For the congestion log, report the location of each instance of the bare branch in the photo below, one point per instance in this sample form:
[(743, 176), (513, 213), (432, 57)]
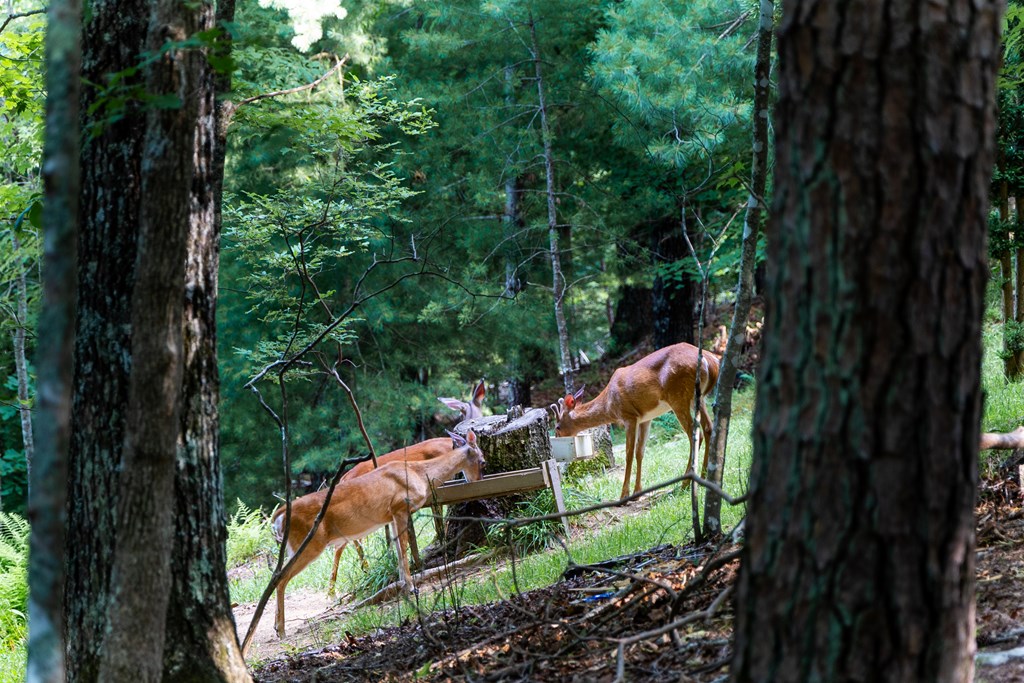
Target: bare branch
[(299, 88), (20, 15)]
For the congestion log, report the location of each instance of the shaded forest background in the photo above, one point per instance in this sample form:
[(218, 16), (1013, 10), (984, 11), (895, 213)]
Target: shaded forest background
[(416, 169)]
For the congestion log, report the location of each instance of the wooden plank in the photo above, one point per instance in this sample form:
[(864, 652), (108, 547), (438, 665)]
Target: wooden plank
[(555, 478), (491, 486)]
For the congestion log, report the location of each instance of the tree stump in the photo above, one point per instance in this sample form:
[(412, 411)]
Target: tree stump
[(516, 441), (604, 456)]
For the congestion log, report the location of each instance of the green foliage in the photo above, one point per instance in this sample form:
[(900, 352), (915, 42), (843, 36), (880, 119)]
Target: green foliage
[(1013, 339), (249, 535), (21, 129), (682, 67), (13, 479), (13, 580), (383, 567)]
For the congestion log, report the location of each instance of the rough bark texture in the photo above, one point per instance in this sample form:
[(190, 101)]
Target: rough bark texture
[(748, 257), (106, 271), (516, 441), (859, 555), (141, 574), (201, 641), (54, 362), (632, 319)]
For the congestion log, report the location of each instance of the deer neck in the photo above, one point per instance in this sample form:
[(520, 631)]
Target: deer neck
[(593, 414), (443, 468)]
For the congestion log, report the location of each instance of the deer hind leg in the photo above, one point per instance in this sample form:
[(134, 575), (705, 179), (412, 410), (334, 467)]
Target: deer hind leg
[(311, 552), (686, 421), (337, 558), (630, 449), (638, 454)]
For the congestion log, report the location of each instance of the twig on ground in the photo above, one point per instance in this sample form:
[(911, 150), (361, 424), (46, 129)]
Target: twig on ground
[(623, 643)]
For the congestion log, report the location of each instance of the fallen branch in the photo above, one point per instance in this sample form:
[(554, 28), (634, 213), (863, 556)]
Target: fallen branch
[(390, 590), (998, 658)]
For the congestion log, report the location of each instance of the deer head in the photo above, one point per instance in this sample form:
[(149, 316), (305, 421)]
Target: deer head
[(562, 412), (471, 410), (474, 468)]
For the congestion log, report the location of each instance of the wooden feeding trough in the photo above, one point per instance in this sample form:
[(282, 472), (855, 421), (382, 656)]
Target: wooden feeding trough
[(503, 484)]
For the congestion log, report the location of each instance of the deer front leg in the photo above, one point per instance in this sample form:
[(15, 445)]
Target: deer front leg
[(311, 552), (401, 517), (630, 449), (638, 453)]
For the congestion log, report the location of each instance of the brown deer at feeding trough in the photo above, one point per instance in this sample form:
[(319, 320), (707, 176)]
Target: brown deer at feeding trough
[(638, 393), (360, 506), (425, 450)]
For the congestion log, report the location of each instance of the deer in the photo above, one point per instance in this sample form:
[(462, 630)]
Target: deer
[(472, 409), (638, 393), (425, 450), (360, 506)]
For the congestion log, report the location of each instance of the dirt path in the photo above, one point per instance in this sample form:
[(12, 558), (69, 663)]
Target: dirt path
[(302, 627)]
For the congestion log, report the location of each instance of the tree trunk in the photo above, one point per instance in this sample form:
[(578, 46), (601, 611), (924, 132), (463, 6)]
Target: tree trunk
[(632, 319), (110, 168), (519, 390), (858, 562), (673, 292), (1010, 365), (141, 574), (558, 278), (21, 361), (201, 641), (54, 361), (512, 220), (1020, 276), (748, 257)]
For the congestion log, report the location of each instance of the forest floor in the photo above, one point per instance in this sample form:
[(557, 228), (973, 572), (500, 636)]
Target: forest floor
[(660, 615)]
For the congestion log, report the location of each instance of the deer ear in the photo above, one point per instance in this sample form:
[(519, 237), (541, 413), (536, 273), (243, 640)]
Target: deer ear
[(457, 440), (479, 392), (471, 437), (454, 404), (570, 402)]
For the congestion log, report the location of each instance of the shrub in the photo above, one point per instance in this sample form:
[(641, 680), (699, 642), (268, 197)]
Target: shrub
[(249, 535), (13, 580)]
